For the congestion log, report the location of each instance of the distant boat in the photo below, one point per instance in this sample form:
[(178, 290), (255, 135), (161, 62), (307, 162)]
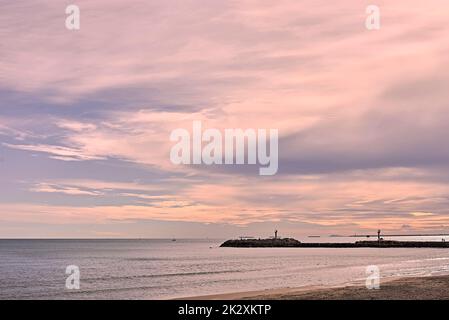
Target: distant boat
[(314, 236), (173, 239)]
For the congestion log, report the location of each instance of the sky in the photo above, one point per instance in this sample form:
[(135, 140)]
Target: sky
[(86, 115)]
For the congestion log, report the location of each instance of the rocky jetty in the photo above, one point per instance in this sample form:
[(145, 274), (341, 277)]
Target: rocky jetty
[(262, 243), (293, 243)]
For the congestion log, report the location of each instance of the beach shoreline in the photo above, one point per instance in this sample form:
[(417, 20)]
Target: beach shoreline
[(404, 288)]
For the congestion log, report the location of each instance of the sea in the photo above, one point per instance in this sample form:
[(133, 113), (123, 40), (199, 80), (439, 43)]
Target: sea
[(169, 269)]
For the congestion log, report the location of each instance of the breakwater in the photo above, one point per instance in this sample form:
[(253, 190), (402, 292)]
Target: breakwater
[(293, 243)]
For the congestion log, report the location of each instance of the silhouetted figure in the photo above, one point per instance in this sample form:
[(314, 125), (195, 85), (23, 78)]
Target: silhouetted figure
[(378, 235), (275, 234)]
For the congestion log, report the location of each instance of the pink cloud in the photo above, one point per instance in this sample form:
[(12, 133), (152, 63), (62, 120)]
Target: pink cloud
[(307, 68)]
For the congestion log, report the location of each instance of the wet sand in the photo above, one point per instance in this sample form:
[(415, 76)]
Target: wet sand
[(419, 288)]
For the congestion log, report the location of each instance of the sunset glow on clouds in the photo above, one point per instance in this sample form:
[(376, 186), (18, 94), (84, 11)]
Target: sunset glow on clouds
[(85, 117)]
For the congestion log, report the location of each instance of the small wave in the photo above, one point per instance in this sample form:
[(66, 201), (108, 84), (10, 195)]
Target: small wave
[(163, 275), (437, 259)]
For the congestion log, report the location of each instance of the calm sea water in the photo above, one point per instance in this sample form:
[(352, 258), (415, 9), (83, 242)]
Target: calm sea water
[(162, 269)]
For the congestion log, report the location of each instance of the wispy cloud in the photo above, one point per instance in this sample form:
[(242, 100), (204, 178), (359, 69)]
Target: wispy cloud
[(362, 115), (56, 152), (51, 188)]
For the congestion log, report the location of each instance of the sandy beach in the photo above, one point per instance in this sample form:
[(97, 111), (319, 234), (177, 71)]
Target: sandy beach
[(417, 288)]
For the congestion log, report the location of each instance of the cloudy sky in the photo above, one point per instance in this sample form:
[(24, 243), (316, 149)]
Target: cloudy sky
[(85, 117)]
